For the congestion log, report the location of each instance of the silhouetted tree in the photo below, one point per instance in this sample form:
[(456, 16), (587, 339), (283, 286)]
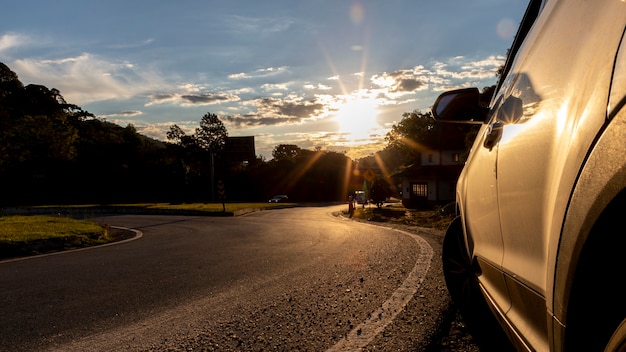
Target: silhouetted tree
[(286, 152), (380, 191), (211, 134)]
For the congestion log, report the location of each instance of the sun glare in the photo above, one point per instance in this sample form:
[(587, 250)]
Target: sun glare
[(357, 120)]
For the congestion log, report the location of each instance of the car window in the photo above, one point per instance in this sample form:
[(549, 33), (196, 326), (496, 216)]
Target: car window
[(532, 12)]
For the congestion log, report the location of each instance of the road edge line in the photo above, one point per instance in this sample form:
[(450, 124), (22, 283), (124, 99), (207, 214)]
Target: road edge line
[(362, 335)]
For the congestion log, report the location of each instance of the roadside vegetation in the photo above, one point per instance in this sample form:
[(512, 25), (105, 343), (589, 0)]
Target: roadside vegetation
[(396, 214), (207, 208), (19, 228), (30, 235), (25, 235)]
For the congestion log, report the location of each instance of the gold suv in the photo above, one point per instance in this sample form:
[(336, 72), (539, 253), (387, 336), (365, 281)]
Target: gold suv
[(539, 243)]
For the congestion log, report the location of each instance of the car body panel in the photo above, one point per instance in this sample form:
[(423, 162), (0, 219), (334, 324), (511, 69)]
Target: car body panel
[(539, 157), (525, 192), (554, 134), (477, 200)]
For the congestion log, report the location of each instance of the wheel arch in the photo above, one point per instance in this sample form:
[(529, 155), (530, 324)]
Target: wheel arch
[(589, 248)]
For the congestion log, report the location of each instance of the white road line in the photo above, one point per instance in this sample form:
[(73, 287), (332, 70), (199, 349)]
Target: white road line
[(363, 334)]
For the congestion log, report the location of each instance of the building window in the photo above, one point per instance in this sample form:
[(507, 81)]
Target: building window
[(419, 189)]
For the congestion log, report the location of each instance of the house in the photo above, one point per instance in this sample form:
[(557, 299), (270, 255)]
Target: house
[(239, 150), (431, 180)]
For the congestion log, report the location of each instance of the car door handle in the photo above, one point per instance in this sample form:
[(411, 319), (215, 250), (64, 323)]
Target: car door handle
[(493, 135)]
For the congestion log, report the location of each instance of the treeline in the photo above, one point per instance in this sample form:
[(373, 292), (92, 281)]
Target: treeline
[(54, 152)]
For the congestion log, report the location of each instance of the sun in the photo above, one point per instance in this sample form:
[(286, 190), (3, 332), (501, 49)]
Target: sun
[(357, 120)]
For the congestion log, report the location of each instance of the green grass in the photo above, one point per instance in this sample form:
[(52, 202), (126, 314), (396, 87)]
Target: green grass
[(35, 234), (19, 228), (197, 207), (206, 207), (22, 236)]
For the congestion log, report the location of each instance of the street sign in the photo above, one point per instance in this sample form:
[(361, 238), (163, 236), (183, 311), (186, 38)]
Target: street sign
[(221, 192), (369, 175)]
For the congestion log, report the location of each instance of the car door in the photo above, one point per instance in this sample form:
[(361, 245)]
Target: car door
[(478, 199)]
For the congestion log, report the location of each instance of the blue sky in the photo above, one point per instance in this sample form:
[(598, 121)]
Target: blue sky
[(326, 74)]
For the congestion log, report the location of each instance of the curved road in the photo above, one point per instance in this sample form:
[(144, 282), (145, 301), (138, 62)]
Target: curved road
[(290, 279)]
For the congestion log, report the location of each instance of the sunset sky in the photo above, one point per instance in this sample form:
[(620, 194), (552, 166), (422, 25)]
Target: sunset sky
[(321, 73)]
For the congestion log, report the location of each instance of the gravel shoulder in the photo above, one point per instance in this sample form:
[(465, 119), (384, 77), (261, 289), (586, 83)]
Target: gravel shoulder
[(430, 321)]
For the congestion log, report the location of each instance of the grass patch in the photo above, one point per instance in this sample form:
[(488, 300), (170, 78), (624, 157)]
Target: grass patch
[(26, 228), (206, 207), (189, 207), (36, 234), (28, 235)]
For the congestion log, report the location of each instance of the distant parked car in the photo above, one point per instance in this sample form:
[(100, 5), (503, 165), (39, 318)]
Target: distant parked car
[(360, 197), (281, 198)]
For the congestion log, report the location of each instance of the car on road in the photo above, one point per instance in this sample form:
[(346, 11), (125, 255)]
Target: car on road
[(538, 245), (360, 198), (281, 198)]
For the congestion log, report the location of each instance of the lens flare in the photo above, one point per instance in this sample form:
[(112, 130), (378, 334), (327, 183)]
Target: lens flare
[(357, 13)]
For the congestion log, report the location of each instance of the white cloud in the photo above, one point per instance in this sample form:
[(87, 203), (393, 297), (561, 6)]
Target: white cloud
[(275, 86), (191, 87), (159, 130), (130, 113), (239, 75), (258, 25), (191, 99), (87, 78), (12, 40), (260, 73), (318, 86)]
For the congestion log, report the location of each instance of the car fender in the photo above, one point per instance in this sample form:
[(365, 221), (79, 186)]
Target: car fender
[(600, 181)]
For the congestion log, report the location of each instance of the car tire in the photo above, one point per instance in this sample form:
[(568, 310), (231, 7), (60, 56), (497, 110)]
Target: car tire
[(462, 283)]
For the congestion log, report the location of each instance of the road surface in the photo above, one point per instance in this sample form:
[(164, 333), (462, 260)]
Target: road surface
[(290, 279)]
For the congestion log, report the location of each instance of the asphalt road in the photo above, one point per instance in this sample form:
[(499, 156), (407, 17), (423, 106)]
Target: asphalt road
[(291, 279)]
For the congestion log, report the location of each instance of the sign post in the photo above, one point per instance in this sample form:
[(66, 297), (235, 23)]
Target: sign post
[(221, 193)]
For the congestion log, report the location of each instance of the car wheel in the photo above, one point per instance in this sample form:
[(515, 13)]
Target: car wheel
[(464, 290), (457, 267)]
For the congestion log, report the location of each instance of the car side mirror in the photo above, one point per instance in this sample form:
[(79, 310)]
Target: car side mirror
[(460, 106)]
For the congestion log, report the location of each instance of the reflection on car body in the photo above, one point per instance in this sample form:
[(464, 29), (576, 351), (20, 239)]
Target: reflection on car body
[(541, 195)]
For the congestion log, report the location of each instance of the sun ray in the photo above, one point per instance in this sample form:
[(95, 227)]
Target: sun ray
[(347, 176), (303, 170)]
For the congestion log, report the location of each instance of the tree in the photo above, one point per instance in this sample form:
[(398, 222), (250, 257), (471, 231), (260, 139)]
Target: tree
[(9, 83), (198, 154), (286, 152), (411, 135), (178, 136), (211, 134), (380, 191)]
